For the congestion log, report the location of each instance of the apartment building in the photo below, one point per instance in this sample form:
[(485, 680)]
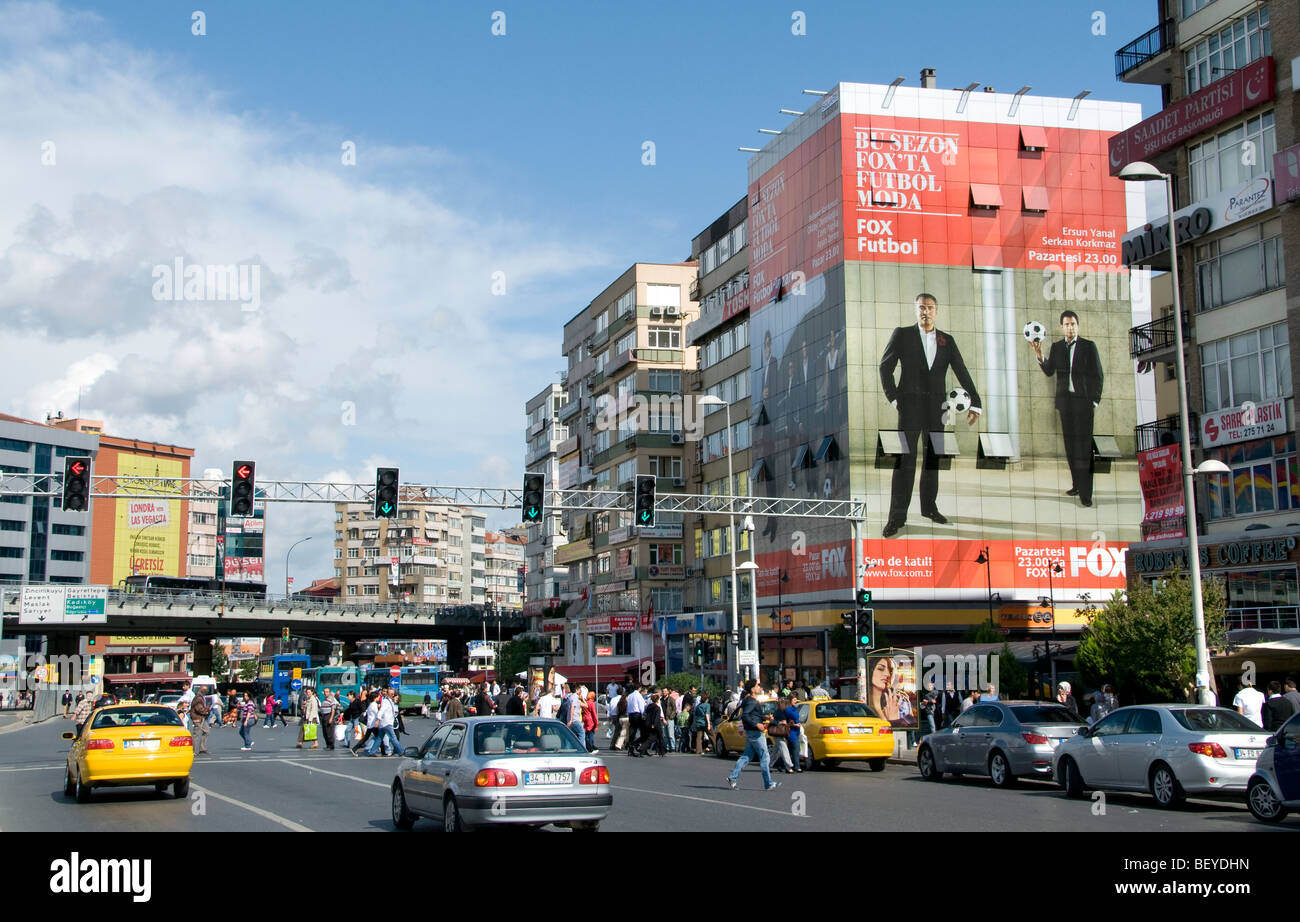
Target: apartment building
[(545, 435), (721, 337), (1227, 133), (504, 555), (627, 365), (428, 554), (201, 556)]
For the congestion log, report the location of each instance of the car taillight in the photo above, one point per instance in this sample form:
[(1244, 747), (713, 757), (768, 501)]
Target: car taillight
[(182, 741), (1214, 750), (885, 731), (597, 774), (1035, 739), (99, 744), (826, 731), (495, 778)]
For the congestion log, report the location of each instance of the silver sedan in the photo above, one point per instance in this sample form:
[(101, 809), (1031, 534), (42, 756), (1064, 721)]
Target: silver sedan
[(1005, 740), (1171, 750), (481, 771)]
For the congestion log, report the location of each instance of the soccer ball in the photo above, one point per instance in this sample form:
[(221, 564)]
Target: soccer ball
[(1035, 332), (958, 400)]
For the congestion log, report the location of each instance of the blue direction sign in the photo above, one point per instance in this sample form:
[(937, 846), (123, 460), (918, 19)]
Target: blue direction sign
[(296, 684)]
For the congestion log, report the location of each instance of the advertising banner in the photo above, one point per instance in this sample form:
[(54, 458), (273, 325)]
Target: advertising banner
[(1244, 200), (949, 342), (246, 568), (142, 512), (891, 687), (1286, 173), (1243, 423), (147, 533), (1160, 471)]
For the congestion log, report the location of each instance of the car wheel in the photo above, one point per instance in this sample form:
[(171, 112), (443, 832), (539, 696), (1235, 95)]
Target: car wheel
[(877, 765), (719, 747), (69, 786), (593, 826), (926, 764), (451, 819), (1000, 770), (1165, 787), (82, 790), (161, 786), (181, 788), (402, 817), (1263, 803), (1071, 780)]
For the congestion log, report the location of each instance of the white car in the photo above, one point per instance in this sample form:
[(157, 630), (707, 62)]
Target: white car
[(169, 700), (1170, 750)]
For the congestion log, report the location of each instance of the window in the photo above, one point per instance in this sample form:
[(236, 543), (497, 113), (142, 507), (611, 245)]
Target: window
[(1239, 266), (602, 322), (74, 530), (1144, 721), (666, 601), (68, 556), (1191, 6), (663, 295), (11, 552), (12, 525), (354, 553), (1112, 724), (627, 385), (661, 379), (725, 344), (626, 471), (626, 303), (1252, 366), (625, 343), (1264, 478), (663, 555), (1216, 164), (15, 445), (11, 469), (352, 589), (664, 337), (665, 466), (338, 553), (372, 590), (1234, 47)]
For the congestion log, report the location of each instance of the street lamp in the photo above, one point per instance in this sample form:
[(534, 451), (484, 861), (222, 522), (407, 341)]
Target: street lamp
[(778, 623), (752, 567), (987, 561), (1145, 172), (1051, 599), (134, 568), (286, 565), (732, 640)]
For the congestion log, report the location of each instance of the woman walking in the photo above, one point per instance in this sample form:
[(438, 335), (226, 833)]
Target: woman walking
[(247, 720), (589, 721)]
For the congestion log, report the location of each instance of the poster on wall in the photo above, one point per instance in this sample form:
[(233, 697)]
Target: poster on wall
[(891, 687), (147, 533)]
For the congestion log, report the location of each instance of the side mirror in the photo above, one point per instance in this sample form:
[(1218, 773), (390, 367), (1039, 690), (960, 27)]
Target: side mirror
[(1271, 741), (410, 752), (1085, 732), (69, 735)]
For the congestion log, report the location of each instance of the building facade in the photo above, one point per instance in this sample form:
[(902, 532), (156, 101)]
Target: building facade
[(504, 555), (428, 554), (1228, 135), (39, 541), (549, 414)]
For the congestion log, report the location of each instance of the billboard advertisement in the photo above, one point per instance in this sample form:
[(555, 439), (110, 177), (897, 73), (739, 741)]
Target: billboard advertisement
[(1160, 471), (147, 533), (891, 687), (949, 343)]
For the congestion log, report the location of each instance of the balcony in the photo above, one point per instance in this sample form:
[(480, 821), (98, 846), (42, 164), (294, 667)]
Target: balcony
[(1156, 341), (1165, 432), (1140, 60), (694, 290), (570, 409)]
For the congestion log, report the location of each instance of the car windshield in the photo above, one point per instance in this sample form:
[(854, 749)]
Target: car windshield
[(1037, 714), (137, 717), (524, 737), (1212, 720), (844, 709)]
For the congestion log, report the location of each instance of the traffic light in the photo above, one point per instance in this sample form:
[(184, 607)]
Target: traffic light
[(533, 500), (645, 500), (76, 484), (699, 651), (241, 488), (850, 620), (385, 493), (284, 633), (863, 598), (866, 628)]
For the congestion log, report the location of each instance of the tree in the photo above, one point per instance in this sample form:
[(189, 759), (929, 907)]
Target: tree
[(248, 670), (682, 682), (220, 664), (1013, 677), (983, 632), (1141, 642), (514, 657)]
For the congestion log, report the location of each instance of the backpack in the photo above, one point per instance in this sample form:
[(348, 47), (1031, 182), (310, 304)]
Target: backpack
[(563, 715)]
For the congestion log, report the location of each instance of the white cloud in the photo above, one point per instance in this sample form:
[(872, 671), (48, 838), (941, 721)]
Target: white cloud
[(374, 290)]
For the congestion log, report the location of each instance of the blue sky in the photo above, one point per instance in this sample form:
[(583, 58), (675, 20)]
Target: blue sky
[(476, 153)]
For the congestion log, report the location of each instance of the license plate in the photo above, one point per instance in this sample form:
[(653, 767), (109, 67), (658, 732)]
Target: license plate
[(1248, 753), (140, 744), (548, 777), (859, 729)]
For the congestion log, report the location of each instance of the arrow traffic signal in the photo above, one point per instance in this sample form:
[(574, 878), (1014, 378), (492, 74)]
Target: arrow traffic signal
[(386, 482), (241, 488), (76, 484), (645, 500), (532, 503)]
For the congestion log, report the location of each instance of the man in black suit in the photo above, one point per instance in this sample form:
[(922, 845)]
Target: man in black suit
[(1076, 365), (925, 353)]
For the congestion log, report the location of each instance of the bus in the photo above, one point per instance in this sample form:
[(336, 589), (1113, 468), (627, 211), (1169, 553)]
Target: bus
[(418, 681), (338, 679), (282, 678), (188, 585)]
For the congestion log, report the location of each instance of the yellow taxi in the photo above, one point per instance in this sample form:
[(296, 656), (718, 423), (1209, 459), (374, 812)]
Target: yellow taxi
[(729, 735), (129, 744), (839, 730)]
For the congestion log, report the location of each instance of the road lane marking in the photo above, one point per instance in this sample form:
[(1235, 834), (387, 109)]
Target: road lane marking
[(34, 768), (707, 800), (265, 814), (312, 768)]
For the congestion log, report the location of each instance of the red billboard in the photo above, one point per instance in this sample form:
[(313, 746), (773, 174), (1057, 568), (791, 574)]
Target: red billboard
[(1160, 471)]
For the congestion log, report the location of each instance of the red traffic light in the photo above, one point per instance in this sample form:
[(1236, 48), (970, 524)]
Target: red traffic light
[(243, 471), (78, 467)]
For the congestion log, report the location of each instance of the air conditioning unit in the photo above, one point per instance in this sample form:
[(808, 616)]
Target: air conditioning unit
[(677, 438), (672, 311), (656, 311), (679, 482)]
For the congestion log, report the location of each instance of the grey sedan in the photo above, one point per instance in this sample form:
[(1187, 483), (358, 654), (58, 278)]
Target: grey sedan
[(1171, 750), (481, 771), (1002, 739)]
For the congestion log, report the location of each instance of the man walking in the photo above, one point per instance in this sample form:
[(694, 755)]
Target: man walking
[(948, 707), (82, 712), (329, 708), (483, 704), (635, 717), (1277, 710), (1076, 364), (653, 724), (751, 717), (199, 713), (67, 703), (925, 354)]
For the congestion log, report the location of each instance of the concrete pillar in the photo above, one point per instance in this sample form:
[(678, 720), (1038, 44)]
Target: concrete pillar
[(202, 663), (349, 652)]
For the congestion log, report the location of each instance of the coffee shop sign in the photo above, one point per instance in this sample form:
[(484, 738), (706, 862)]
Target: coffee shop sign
[(1222, 555)]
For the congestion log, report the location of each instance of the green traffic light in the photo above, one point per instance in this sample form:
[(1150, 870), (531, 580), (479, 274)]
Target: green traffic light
[(864, 641)]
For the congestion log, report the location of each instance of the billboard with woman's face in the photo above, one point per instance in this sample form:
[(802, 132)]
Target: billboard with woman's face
[(891, 688)]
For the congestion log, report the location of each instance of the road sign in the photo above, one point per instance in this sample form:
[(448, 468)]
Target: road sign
[(394, 670), (297, 672), (42, 605), (86, 604), (747, 657), (604, 651), (296, 684), (94, 680)]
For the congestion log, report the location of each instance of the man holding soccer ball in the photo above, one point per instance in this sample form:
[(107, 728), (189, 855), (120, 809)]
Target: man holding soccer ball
[(1076, 365), (925, 354)]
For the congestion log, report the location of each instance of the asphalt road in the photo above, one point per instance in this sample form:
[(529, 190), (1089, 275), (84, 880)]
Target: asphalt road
[(277, 787)]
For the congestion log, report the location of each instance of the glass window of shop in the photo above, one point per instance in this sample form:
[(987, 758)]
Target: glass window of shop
[(1265, 478)]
